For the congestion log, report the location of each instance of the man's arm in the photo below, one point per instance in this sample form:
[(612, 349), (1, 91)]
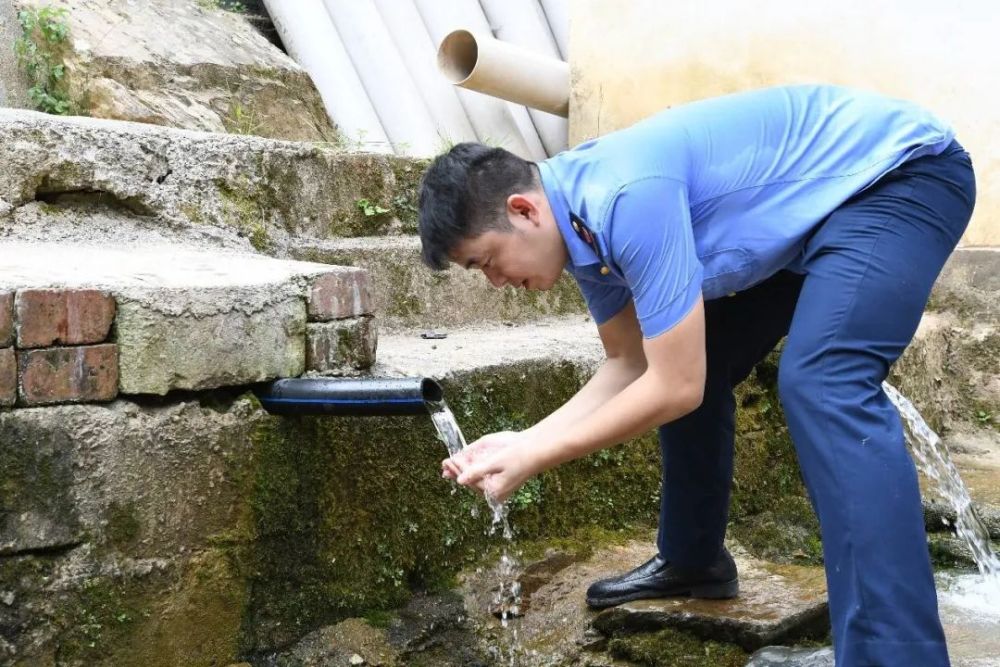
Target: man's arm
[(624, 362), (671, 386)]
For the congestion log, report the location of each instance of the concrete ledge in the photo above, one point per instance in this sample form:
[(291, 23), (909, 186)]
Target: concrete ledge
[(260, 189), (186, 319)]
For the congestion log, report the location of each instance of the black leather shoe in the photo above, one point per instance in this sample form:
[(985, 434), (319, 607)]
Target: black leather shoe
[(656, 578)]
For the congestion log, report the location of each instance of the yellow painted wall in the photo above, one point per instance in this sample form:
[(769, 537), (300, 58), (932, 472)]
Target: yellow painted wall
[(631, 58)]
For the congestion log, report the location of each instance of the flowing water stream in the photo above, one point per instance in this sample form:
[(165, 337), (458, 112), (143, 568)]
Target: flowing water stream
[(507, 600), (962, 594), (973, 594)]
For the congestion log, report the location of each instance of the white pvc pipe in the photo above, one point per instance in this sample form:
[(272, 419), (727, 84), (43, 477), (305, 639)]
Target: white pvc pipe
[(308, 33), (407, 29), (557, 15), (391, 90), (492, 67), (496, 122), (523, 23)]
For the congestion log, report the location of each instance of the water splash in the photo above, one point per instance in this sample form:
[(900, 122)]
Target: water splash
[(507, 600), (934, 461)]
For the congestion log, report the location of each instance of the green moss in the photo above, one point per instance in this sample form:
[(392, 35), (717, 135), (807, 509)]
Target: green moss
[(351, 514), (788, 533), (405, 302), (36, 471), (673, 648), (124, 525), (193, 213), (408, 174), (770, 512), (766, 466), (246, 210), (103, 612)]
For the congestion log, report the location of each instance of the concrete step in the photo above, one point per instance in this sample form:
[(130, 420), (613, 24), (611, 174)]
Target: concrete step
[(264, 191), (552, 341), (408, 294), (182, 318)]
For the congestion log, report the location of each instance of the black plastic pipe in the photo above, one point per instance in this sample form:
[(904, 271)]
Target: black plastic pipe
[(349, 396)]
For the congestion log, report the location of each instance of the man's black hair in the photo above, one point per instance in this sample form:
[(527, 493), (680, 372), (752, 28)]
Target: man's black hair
[(464, 193)]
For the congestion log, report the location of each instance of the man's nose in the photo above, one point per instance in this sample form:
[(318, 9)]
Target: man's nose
[(494, 277)]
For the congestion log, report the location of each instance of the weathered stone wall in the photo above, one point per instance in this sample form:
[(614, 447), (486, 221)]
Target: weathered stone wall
[(148, 534), (204, 184), (13, 82), (186, 64)]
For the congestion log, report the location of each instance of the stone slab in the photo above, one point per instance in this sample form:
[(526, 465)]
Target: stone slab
[(783, 656), (553, 340), (260, 190), (185, 64), (776, 603), (186, 319)]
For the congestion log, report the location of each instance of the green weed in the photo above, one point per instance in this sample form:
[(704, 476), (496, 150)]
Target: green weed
[(40, 50)]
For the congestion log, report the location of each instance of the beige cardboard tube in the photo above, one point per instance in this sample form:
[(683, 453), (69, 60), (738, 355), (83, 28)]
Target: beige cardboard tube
[(487, 65)]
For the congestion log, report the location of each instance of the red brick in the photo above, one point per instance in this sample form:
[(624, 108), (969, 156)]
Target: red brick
[(340, 294), (6, 319), (68, 374), (8, 377), (69, 317)]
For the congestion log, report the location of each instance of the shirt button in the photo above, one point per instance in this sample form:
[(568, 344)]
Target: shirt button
[(576, 227), (605, 270)]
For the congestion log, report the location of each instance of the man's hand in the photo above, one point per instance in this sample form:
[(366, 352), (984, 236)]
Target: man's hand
[(497, 464)]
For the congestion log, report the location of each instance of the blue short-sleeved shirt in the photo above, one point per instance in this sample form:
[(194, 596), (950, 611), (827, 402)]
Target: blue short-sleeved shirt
[(715, 196)]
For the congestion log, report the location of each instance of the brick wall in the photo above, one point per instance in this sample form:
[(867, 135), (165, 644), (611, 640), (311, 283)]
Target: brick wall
[(54, 347)]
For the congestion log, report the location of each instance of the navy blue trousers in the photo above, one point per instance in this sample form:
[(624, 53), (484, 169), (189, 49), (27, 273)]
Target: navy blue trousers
[(868, 271)]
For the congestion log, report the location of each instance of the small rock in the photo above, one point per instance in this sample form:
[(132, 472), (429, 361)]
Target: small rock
[(357, 660), (7, 598), (781, 656)]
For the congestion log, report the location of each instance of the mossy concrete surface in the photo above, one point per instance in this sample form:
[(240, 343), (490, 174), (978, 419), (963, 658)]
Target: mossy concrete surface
[(217, 188), (408, 294), (211, 529), (154, 496)]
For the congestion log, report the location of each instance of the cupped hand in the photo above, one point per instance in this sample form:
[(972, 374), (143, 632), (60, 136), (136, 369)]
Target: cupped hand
[(497, 464)]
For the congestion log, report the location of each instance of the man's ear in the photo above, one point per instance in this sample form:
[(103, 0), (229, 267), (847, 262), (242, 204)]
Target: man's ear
[(522, 206)]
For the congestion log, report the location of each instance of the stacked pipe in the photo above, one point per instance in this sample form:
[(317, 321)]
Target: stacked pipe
[(373, 62)]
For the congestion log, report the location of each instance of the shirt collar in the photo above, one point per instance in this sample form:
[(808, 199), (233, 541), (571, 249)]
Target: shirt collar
[(579, 252)]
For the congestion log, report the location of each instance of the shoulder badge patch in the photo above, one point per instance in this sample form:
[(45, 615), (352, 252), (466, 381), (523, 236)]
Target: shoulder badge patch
[(581, 229)]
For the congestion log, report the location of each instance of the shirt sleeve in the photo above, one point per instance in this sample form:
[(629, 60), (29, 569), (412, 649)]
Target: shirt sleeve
[(604, 300), (652, 244)]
